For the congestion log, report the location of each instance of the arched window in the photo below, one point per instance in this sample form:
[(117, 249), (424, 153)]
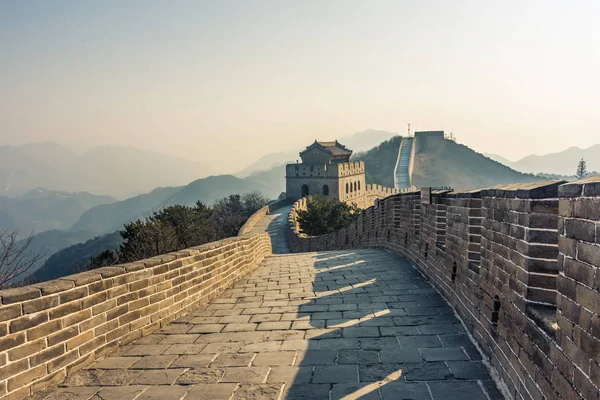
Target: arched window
[(304, 190), (350, 187), (355, 186), (346, 187), (358, 185), (325, 190)]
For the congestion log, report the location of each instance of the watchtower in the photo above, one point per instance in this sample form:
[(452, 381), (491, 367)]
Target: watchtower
[(326, 170)]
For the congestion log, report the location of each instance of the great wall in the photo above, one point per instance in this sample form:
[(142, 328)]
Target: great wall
[(369, 311)]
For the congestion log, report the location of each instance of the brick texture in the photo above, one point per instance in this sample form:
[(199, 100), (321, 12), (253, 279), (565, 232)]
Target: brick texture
[(54, 329), (519, 263)]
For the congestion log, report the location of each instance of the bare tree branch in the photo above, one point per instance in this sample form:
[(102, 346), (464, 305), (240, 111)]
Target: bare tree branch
[(16, 257)]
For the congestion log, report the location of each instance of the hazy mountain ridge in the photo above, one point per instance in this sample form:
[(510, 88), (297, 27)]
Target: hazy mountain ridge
[(116, 171), (39, 210), (111, 217), (560, 163)]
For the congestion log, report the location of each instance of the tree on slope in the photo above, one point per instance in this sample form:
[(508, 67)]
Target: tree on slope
[(178, 227), (324, 216), (581, 169)]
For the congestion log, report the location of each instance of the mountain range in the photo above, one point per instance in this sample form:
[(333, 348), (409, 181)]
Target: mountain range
[(120, 172), (40, 210), (94, 223), (561, 163), (110, 217)]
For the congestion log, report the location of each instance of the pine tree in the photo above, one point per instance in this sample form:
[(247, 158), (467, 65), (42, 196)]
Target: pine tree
[(581, 169)]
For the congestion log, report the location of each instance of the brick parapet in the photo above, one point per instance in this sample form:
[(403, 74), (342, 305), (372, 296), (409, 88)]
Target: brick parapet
[(578, 306), (502, 248), (52, 329)]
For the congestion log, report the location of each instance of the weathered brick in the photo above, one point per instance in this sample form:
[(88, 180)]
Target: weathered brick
[(77, 317), (588, 298), (23, 379), (588, 253), (26, 350), (79, 340), (17, 295), (65, 309), (94, 299), (44, 329), (580, 229), (10, 312), (13, 369), (47, 355), (54, 286), (62, 361), (117, 312), (28, 321), (63, 335), (73, 294), (43, 303), (104, 307), (83, 278), (92, 322)]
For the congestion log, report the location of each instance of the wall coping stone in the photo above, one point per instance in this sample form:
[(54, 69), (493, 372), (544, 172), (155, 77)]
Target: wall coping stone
[(65, 283), (467, 194), (535, 190), (588, 187)]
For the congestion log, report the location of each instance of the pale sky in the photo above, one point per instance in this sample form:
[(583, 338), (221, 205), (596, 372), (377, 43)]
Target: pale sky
[(228, 81)]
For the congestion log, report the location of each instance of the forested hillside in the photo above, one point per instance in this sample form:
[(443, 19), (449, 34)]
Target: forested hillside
[(380, 162), (108, 218), (449, 164), (75, 258), (458, 166), (170, 229)]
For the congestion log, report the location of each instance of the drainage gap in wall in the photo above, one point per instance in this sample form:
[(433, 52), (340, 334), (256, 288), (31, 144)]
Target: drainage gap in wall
[(454, 268), (496, 311)]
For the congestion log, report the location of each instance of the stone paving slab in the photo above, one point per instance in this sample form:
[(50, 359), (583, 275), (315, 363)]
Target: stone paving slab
[(331, 325)]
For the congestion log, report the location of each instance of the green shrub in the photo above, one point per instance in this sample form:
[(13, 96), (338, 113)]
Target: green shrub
[(324, 216)]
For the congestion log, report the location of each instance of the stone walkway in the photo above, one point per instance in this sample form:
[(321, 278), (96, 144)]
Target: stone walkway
[(336, 325), (275, 224)]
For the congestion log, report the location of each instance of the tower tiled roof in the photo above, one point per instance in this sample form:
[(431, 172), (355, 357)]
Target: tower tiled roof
[(334, 148)]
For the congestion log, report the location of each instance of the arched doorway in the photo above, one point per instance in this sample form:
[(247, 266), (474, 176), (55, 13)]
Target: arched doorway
[(325, 190), (304, 190)]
